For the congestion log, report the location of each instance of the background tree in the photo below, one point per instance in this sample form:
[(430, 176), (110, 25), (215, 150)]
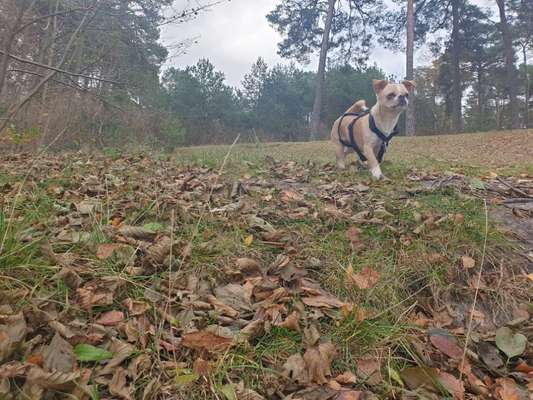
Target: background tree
[(304, 25), (409, 67), (509, 64)]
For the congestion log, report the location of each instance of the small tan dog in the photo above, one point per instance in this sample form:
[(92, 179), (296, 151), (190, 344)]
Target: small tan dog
[(368, 132)]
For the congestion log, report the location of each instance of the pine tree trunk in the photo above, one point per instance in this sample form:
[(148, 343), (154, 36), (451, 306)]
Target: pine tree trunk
[(321, 73), (457, 93), (509, 66), (526, 91), (410, 118)]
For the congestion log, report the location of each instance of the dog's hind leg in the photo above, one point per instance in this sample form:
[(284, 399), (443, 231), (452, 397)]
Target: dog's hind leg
[(340, 156)]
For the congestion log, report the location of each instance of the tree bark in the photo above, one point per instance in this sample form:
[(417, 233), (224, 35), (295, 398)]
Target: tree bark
[(526, 91), (410, 121), (457, 92), (509, 66), (321, 73)]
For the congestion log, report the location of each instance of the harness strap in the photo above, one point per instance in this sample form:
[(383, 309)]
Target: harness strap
[(385, 139)]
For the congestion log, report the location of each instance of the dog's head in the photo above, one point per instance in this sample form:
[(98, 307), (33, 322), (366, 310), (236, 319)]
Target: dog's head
[(394, 96)]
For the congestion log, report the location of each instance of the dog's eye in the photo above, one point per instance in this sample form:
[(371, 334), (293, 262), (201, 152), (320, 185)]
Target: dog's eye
[(391, 96)]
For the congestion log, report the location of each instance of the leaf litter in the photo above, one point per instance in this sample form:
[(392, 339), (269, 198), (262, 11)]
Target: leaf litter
[(147, 301)]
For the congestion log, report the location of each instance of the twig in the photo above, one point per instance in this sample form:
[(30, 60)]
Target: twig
[(516, 190), (478, 283)]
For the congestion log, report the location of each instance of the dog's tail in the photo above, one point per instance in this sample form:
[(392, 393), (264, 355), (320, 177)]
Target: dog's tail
[(359, 106)]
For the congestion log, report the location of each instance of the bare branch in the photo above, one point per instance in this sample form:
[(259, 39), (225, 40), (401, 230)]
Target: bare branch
[(59, 70)]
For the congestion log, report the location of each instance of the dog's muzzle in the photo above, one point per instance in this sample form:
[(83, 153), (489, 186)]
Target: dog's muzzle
[(402, 101)]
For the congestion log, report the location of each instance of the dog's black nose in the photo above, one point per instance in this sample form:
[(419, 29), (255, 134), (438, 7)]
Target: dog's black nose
[(402, 100)]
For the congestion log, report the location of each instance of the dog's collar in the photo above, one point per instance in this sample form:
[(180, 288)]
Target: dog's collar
[(383, 137)]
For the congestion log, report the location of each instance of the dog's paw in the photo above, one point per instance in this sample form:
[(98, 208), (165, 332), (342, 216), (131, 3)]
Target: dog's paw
[(376, 173)]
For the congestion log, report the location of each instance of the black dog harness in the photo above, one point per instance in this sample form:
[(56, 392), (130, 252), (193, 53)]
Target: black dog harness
[(385, 139)]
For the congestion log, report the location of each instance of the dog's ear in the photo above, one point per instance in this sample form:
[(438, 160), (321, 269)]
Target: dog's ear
[(409, 85), (379, 85)]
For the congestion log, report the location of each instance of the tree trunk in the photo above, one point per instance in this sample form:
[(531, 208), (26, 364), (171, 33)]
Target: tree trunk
[(509, 65), (526, 91), (457, 92), (321, 73), (410, 49)]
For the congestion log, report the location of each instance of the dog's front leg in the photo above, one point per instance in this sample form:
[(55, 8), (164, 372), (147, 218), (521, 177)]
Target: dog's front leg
[(373, 163)]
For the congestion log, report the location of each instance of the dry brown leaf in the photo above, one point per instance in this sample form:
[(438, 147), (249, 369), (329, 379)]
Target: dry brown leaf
[(369, 370), (247, 394), (349, 395), (468, 262), (445, 342), (56, 380), (206, 341), (365, 279), (98, 293), (111, 318), (318, 362), (13, 330), (121, 351), (136, 232), (248, 267), (59, 355), (292, 322), (105, 251), (202, 367), (347, 378), (295, 369), (311, 335), (118, 385), (322, 301), (222, 308), (135, 307), (507, 389)]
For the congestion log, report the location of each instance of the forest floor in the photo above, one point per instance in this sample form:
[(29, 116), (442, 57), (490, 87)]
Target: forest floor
[(260, 272)]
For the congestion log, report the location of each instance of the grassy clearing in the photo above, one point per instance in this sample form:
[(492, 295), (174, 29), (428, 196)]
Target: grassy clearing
[(419, 265)]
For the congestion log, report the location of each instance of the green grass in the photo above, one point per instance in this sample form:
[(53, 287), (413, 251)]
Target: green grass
[(411, 265)]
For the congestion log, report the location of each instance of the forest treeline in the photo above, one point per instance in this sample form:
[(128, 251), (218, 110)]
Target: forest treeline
[(90, 72)]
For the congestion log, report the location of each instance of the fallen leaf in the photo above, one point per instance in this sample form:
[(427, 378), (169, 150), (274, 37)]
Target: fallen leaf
[(13, 330), (55, 380), (318, 362), (111, 318), (135, 307), (206, 341), (202, 367), (59, 355), (36, 359), (311, 335), (118, 385), (490, 355), (248, 240), (512, 344), (295, 369), (185, 377), (507, 389), (87, 353), (350, 395), (369, 370), (292, 322), (347, 378), (322, 301), (468, 262), (365, 279), (445, 342), (524, 367), (105, 251), (433, 380)]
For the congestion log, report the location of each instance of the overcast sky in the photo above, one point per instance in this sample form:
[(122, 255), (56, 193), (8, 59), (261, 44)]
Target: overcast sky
[(234, 34)]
